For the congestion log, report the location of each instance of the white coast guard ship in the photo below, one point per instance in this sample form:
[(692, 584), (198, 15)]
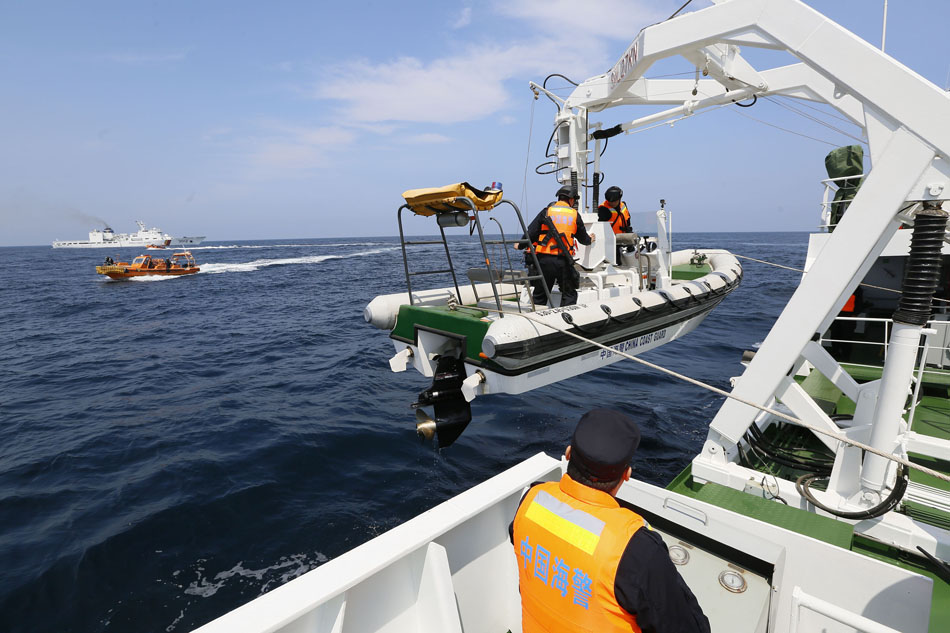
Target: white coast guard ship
[(144, 237)]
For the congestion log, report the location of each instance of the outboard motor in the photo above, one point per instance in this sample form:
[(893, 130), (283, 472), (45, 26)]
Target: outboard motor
[(452, 410)]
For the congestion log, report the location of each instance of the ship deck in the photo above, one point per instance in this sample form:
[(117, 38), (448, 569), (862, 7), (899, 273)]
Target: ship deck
[(931, 418)]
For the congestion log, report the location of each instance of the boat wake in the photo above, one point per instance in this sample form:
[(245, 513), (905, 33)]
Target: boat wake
[(287, 568), (266, 578), (264, 246), (154, 278), (236, 267)]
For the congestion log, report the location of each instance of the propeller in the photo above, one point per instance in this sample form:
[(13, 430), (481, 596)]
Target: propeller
[(425, 425)]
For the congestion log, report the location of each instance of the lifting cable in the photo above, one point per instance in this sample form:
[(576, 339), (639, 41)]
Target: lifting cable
[(799, 270), (527, 158), (836, 436)]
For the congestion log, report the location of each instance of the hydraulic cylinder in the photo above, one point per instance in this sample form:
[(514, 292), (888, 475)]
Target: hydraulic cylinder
[(921, 277)]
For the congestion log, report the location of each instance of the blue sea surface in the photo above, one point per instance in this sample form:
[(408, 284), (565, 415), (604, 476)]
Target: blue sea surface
[(172, 448)]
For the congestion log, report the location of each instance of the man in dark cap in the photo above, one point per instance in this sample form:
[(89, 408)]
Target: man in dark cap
[(584, 562), (553, 232)]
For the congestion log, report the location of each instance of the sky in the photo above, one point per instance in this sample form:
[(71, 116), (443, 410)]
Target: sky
[(282, 119)]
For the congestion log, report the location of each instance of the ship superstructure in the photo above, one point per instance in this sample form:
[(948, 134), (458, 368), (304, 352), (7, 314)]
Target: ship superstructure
[(107, 238)]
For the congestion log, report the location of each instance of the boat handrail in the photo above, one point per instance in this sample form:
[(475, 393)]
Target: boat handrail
[(926, 348), (449, 206), (826, 203), (828, 180), (885, 339)]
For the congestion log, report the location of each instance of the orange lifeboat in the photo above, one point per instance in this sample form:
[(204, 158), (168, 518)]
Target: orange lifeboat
[(181, 263)]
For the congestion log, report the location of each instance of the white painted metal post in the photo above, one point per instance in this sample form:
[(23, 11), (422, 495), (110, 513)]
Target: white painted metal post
[(884, 27), (895, 386), (663, 274)]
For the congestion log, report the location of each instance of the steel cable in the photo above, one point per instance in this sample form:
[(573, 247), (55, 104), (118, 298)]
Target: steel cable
[(836, 436)]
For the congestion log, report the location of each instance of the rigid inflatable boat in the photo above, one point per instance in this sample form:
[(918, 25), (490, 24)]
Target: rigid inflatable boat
[(487, 337), (181, 263)]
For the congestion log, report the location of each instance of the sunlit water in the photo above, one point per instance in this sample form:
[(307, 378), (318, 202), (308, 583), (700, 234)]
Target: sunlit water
[(171, 449)]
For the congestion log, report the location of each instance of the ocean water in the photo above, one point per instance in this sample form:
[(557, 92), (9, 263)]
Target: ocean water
[(171, 449)]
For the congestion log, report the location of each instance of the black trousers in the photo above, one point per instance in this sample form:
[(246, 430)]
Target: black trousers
[(555, 268)]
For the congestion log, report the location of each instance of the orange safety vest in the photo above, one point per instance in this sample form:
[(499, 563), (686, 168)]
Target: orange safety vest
[(619, 218), (568, 541), (564, 218)]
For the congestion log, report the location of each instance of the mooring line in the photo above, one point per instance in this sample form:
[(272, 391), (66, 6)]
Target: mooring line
[(716, 390)]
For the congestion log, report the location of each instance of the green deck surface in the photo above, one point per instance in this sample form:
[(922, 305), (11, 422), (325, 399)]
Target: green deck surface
[(822, 390), (863, 373), (465, 321), (931, 417), (688, 272), (770, 511)]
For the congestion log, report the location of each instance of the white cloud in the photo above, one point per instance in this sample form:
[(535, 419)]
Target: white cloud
[(383, 129), (281, 150), (464, 19), (471, 84), (465, 87), (603, 18)]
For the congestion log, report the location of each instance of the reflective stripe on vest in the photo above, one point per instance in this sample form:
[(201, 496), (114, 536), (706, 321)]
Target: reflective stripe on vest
[(568, 542), (570, 525), (564, 218), (619, 218)]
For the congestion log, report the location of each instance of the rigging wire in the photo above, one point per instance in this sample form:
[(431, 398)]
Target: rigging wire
[(778, 127), (678, 10), (811, 107), (784, 416), (799, 270), (792, 108), (527, 159)]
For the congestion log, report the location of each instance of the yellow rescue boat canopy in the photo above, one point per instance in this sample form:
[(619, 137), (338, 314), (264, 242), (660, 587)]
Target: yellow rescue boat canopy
[(444, 199)]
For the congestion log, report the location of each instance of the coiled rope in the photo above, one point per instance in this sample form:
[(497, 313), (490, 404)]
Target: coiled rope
[(836, 436)]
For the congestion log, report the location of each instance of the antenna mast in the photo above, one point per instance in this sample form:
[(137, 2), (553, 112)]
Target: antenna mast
[(884, 27)]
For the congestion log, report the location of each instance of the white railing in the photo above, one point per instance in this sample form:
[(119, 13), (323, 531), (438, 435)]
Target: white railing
[(885, 341), (802, 600), (827, 199)]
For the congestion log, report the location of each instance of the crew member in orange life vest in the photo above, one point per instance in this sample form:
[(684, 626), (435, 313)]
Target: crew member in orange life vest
[(614, 210), (555, 265), (585, 563)]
